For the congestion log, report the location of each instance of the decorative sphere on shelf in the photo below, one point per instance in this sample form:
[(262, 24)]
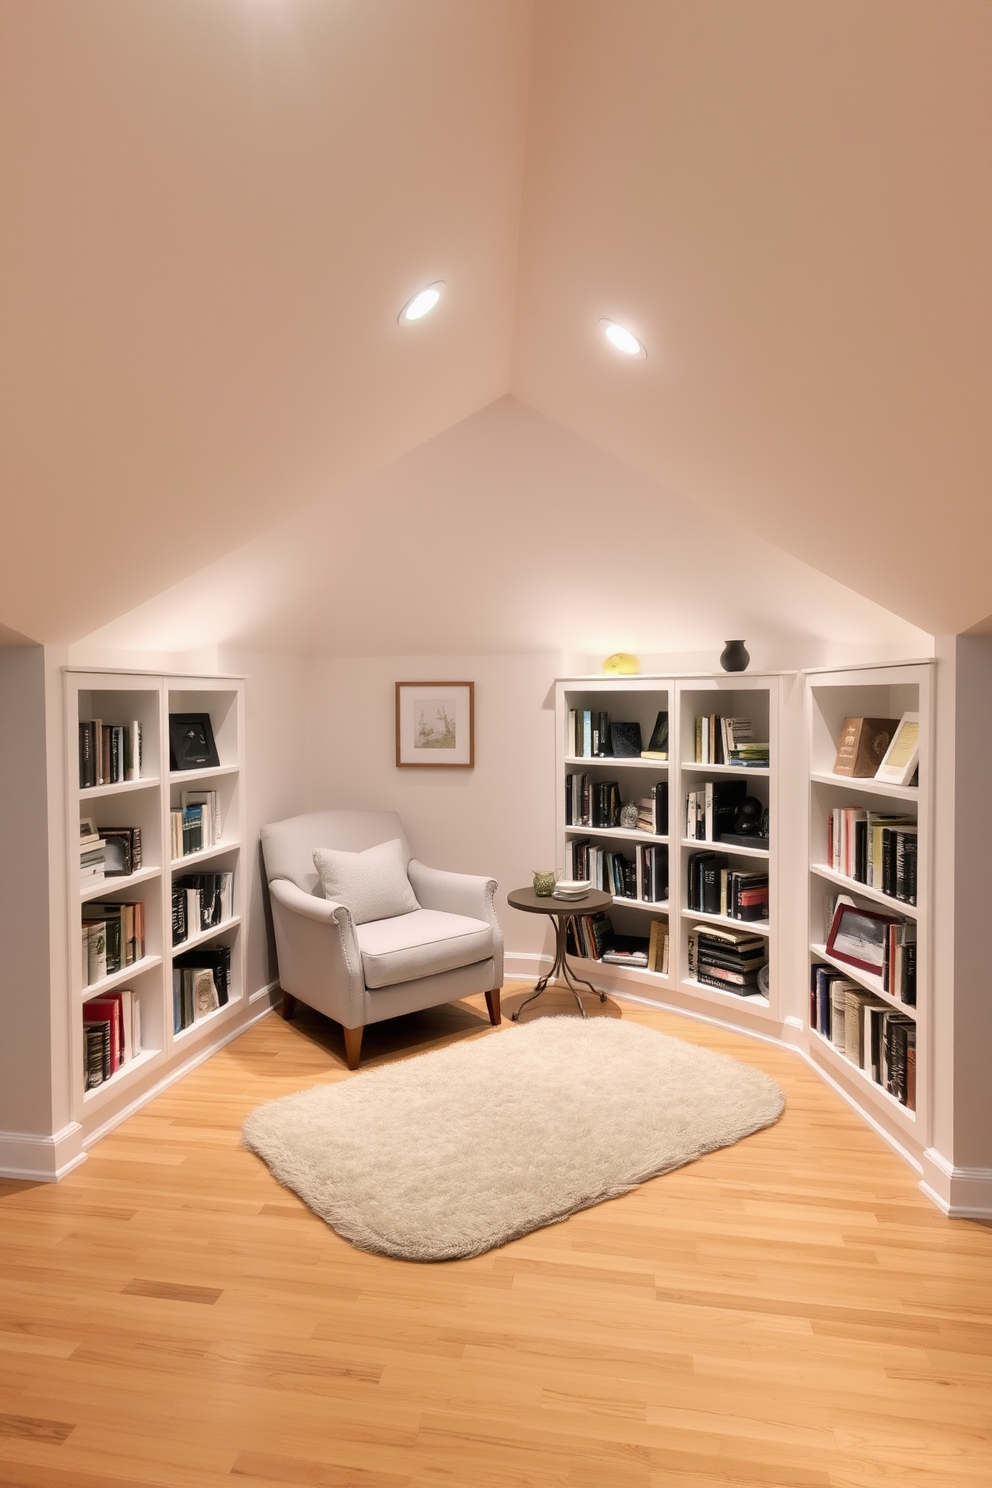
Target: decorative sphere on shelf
[(544, 885), (621, 664), (628, 816), (734, 657), (748, 817)]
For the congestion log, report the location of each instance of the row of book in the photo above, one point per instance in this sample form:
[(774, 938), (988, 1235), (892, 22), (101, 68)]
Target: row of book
[(591, 735), (113, 937), (593, 938), (727, 741), (874, 849), (111, 1034), (109, 852), (598, 803), (727, 959), (643, 877), (195, 823), (879, 1039), (201, 983), (200, 901), (716, 811), (713, 887), (109, 753)]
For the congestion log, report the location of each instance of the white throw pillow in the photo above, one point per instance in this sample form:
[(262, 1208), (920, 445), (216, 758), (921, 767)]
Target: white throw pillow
[(372, 884)]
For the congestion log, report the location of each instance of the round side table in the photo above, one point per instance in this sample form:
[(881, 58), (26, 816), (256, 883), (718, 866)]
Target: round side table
[(561, 911)]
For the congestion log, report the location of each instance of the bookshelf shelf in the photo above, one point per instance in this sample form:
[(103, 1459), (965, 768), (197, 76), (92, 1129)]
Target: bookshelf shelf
[(126, 717), (641, 700), (118, 788), (832, 697), (202, 936), (102, 888), (693, 767), (758, 927), (753, 999), (870, 786), (213, 772), (617, 761), (128, 1074), (732, 849), (180, 865), (120, 978), (876, 1094), (865, 891)]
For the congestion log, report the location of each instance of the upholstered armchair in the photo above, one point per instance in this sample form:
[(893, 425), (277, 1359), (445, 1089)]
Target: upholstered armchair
[(411, 937)]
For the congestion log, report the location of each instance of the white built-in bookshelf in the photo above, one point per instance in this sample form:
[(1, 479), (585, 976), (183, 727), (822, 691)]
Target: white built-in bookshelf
[(685, 699), (831, 697), (145, 802)]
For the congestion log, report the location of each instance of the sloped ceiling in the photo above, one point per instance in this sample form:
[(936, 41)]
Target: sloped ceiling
[(508, 534), (213, 212)]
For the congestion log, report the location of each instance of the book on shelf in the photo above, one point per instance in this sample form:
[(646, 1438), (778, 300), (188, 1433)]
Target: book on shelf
[(729, 961), (658, 743), (711, 809), (587, 936), (625, 740), (92, 859), (651, 873), (113, 937), (109, 753), (877, 1038), (200, 901), (658, 944), (588, 734), (863, 744), (111, 1034), (652, 811), (726, 741), (901, 760), (874, 849), (216, 959)]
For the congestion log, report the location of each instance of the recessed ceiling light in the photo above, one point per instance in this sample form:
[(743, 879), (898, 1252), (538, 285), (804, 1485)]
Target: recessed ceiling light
[(422, 303), (621, 338)]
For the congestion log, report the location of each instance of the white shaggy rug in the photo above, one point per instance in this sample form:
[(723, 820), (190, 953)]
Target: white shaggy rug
[(456, 1151)]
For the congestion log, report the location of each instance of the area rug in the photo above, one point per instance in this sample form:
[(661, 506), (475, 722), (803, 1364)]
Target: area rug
[(456, 1151)]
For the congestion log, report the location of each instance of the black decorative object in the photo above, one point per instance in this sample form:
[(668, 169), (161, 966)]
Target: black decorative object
[(734, 657), (749, 816), (626, 740), (191, 742)]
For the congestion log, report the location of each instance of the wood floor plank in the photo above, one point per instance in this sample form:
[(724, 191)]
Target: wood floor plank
[(789, 1312)]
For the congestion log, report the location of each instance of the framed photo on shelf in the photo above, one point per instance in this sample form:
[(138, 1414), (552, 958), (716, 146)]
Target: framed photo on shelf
[(903, 754), (858, 936), (435, 725), (87, 827), (191, 742)]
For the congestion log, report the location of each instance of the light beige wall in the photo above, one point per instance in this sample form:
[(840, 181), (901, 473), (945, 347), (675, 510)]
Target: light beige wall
[(497, 819)]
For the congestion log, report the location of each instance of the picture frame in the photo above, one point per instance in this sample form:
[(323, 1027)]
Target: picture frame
[(901, 759), (191, 742), (858, 937), (87, 827), (435, 725)]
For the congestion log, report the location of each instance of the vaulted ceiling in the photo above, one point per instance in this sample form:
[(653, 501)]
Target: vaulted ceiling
[(214, 209)]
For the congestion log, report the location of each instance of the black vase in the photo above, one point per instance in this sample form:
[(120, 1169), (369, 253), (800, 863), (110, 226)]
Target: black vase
[(734, 657)]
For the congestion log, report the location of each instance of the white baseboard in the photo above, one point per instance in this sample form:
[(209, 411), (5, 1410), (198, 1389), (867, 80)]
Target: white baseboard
[(34, 1159), (962, 1193)]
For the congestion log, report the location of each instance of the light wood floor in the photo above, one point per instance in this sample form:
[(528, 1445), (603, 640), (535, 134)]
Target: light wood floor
[(788, 1311)]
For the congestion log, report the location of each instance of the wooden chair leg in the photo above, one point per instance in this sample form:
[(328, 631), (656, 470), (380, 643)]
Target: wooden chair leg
[(353, 1046), (288, 1005), (492, 1003)]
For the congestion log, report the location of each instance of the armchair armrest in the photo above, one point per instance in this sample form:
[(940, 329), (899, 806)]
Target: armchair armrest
[(460, 893), (455, 893), (324, 911), (319, 957)]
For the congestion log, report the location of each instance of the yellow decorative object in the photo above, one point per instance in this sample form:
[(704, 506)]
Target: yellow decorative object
[(621, 664)]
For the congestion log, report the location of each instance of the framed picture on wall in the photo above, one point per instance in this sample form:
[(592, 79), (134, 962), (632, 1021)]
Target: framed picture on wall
[(435, 725)]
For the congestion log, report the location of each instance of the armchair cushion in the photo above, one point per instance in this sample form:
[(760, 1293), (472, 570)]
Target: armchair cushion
[(428, 941), (373, 884)]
